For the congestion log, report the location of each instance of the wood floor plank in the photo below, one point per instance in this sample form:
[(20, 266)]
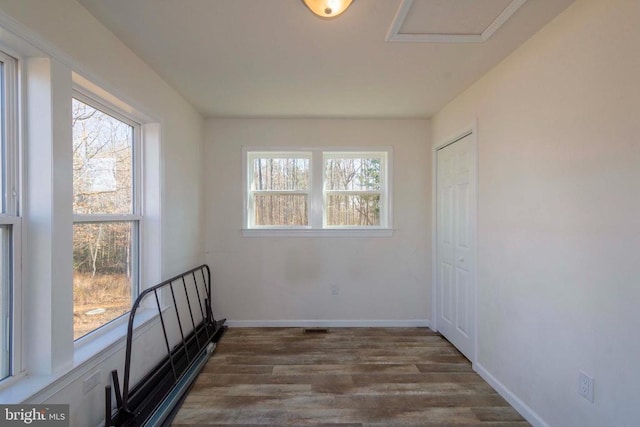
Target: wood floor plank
[(347, 377)]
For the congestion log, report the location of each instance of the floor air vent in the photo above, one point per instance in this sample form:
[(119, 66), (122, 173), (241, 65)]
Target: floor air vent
[(315, 331)]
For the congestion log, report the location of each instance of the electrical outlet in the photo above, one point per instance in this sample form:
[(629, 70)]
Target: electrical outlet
[(585, 386), (89, 383), (335, 290)]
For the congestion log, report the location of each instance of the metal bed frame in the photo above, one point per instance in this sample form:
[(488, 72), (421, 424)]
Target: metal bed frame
[(156, 398)]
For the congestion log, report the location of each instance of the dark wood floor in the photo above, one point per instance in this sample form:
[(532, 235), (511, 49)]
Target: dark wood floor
[(347, 377)]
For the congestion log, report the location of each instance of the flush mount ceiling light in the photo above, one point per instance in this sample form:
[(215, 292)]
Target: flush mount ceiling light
[(327, 8)]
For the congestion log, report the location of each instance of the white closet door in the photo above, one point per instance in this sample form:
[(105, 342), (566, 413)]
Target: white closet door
[(455, 285)]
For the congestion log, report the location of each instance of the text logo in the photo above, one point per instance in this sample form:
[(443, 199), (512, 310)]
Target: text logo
[(34, 415)]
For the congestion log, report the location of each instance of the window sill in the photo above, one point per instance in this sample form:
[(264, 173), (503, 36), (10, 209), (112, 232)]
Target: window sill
[(325, 232), (101, 340), (88, 354)]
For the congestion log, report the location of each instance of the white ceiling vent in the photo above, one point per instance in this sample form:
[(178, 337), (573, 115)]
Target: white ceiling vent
[(450, 21)]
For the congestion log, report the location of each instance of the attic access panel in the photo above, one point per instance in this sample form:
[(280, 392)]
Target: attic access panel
[(450, 21)]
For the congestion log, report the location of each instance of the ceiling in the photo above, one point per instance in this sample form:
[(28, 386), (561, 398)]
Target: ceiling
[(259, 58)]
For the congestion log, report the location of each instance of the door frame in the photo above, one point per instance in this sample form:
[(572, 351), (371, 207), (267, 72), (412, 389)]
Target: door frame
[(471, 130)]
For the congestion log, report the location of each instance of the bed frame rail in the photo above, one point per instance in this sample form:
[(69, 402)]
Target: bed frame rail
[(189, 332)]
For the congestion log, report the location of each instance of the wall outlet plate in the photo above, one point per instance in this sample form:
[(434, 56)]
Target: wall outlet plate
[(585, 386), (90, 382)]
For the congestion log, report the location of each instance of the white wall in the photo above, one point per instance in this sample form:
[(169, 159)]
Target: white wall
[(275, 281), (559, 215), (76, 42)]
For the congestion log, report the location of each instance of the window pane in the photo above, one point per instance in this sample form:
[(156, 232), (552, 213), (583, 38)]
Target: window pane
[(102, 162), (353, 209), (281, 209), (5, 297), (352, 174), (103, 273), (3, 115), (281, 174)]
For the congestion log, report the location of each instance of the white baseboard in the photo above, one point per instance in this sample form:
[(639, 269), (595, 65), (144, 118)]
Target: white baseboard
[(522, 408), (410, 323)]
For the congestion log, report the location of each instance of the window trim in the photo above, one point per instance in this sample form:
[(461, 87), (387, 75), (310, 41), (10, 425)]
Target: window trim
[(136, 216), (39, 118), (317, 219)]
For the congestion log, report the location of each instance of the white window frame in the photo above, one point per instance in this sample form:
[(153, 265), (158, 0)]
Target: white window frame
[(11, 217), (136, 217), (317, 195), (250, 208), (45, 77), (383, 192)]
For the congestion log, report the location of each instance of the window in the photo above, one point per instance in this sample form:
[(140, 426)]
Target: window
[(317, 190), (10, 236), (353, 189), (106, 207), (279, 189)]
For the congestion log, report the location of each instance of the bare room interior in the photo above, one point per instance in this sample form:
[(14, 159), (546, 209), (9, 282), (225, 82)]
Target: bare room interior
[(411, 212)]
